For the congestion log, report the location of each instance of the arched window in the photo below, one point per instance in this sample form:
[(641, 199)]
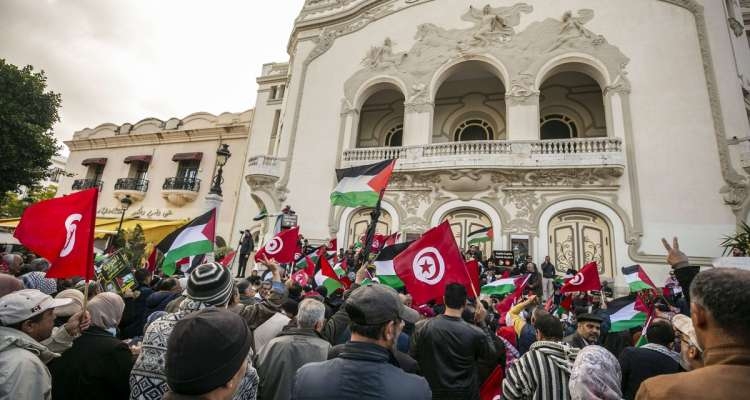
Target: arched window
[(558, 126), (474, 129), (395, 136)]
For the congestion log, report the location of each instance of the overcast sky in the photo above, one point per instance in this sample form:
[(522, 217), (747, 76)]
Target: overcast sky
[(122, 61)]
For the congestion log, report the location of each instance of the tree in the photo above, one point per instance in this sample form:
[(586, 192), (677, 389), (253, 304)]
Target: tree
[(13, 205), (27, 114)]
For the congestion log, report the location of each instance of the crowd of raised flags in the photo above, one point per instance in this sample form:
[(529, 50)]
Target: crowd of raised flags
[(423, 269)]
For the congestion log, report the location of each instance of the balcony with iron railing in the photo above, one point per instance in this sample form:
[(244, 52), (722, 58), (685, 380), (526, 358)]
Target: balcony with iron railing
[(564, 153), (134, 187), (180, 190), (81, 184)]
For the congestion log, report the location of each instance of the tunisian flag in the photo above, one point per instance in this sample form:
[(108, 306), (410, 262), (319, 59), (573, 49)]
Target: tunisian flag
[(586, 279), (430, 263), (62, 231), (281, 248)]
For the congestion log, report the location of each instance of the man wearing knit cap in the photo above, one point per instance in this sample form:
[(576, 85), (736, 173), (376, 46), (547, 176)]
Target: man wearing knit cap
[(206, 355), (27, 319), (366, 368), (209, 285), (266, 319)]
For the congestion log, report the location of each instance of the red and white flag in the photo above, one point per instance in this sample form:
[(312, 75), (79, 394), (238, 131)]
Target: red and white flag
[(430, 263), (62, 231), (227, 260), (586, 279), (281, 248)]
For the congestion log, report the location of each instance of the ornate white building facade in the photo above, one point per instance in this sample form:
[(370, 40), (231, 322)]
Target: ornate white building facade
[(583, 129)]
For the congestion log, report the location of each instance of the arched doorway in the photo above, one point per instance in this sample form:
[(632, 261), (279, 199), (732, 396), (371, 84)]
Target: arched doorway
[(578, 237), (359, 222), (465, 221)]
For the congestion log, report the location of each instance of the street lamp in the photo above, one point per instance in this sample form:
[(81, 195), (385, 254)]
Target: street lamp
[(125, 203), (222, 155)]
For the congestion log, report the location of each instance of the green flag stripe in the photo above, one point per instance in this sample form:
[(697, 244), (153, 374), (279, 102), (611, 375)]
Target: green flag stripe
[(190, 249), (354, 199)]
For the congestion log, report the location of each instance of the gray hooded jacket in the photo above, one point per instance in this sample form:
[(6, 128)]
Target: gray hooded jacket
[(23, 373)]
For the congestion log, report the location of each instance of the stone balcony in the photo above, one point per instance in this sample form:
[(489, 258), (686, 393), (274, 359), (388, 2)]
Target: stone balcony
[(180, 190), (496, 154), (263, 169), (130, 187)]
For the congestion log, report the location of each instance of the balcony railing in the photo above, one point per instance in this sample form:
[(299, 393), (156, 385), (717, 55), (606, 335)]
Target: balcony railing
[(139, 185), (179, 183), (80, 184), (586, 152), (264, 168)]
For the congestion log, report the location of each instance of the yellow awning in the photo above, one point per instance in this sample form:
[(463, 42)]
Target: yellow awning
[(11, 223), (153, 230)]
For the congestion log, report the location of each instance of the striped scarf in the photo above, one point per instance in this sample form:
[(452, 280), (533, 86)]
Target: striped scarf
[(542, 373)]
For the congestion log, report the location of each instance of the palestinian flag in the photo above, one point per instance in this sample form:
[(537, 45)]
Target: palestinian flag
[(195, 238), (500, 287), (384, 270), (627, 315), (566, 304), (326, 277), (480, 236), (637, 279), (361, 186)]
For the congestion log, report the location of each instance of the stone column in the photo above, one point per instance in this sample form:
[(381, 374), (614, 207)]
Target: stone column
[(522, 114), (418, 123), (350, 122)]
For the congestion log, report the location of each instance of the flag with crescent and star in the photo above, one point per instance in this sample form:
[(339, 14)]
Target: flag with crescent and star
[(281, 248), (586, 279), (430, 263)]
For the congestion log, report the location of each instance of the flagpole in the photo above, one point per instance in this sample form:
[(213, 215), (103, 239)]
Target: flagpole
[(375, 216)]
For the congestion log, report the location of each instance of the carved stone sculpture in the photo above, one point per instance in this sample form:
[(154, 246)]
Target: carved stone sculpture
[(495, 24), (382, 56)]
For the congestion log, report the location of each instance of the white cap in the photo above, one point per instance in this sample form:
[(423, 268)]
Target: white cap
[(24, 304)]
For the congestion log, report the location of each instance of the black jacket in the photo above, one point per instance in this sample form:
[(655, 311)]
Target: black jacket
[(158, 301), (96, 367), (448, 350), (403, 360), (134, 315), (548, 270), (638, 364), (361, 371)]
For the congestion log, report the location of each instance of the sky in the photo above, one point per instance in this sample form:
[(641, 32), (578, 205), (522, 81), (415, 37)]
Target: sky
[(123, 61)]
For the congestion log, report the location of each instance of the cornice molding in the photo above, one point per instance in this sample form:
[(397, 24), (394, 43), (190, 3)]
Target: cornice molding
[(159, 138)]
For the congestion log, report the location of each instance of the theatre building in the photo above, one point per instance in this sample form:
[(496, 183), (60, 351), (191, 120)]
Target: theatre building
[(580, 129)]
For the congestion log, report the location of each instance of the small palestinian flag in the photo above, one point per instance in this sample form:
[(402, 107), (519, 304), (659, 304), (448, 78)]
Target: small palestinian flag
[(384, 270), (480, 236), (637, 279), (626, 316), (500, 287), (195, 238), (361, 186), (566, 304), (326, 277)]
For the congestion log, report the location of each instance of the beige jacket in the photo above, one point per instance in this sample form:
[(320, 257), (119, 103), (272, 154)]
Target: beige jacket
[(725, 376)]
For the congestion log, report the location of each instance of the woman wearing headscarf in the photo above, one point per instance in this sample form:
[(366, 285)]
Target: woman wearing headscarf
[(98, 365), (595, 375)]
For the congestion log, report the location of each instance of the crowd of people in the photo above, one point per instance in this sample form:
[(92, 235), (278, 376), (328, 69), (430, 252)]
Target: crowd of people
[(210, 335)]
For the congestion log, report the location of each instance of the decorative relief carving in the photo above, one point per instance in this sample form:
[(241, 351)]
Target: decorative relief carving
[(570, 177), (380, 57), (495, 24), (621, 83), (522, 91), (523, 53), (525, 202), (414, 224)]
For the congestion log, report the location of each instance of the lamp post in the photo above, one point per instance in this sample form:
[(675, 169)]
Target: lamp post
[(125, 203), (222, 155)]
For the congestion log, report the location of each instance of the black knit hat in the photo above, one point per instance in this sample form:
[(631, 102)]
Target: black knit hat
[(210, 283), (205, 350)]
